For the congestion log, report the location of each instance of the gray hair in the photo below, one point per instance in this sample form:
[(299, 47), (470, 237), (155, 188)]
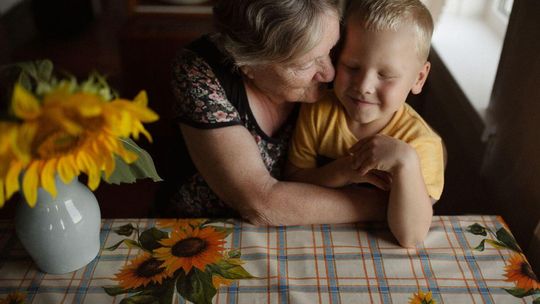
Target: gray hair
[(378, 15), (266, 31)]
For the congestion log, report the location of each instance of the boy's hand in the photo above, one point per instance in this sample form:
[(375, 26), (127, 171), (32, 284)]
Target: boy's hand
[(383, 153)]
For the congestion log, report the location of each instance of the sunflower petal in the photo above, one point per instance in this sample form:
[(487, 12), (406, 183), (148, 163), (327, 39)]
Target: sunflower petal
[(12, 179), (30, 184), (2, 197), (25, 105), (47, 177), (66, 169), (141, 99)]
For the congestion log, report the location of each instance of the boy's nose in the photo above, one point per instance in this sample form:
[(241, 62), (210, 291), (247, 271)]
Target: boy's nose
[(326, 70), (364, 83)]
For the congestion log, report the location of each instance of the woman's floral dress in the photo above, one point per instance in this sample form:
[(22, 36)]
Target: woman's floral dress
[(210, 94)]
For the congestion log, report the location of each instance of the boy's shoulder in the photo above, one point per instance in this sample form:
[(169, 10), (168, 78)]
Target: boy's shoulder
[(408, 122)]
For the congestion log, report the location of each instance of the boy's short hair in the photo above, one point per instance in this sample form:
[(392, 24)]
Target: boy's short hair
[(377, 15)]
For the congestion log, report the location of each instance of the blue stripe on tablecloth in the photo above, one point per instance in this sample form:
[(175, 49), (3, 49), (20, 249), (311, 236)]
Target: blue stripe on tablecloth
[(381, 277), (276, 288), (34, 286), (482, 288), (428, 273), (333, 288), (282, 262), (342, 257), (89, 270), (236, 239)]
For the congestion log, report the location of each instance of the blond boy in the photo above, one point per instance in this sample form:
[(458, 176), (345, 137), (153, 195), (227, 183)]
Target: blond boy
[(364, 127)]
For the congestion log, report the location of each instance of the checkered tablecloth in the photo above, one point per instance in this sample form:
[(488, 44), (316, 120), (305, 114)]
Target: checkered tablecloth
[(301, 264)]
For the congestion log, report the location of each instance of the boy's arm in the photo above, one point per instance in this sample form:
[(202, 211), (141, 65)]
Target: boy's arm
[(410, 210), (336, 174), (333, 174)]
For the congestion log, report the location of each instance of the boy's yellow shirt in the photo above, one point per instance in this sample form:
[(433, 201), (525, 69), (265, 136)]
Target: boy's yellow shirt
[(322, 130)]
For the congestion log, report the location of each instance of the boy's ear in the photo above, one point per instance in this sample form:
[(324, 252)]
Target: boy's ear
[(421, 79)]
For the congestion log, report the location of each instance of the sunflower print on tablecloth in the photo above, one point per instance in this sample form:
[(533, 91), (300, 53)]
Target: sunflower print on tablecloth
[(186, 257), (422, 298), (517, 269), (15, 297)]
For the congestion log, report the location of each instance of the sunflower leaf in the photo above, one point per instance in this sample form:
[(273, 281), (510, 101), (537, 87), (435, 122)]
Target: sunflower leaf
[(149, 239), (125, 230), (480, 246), (496, 244), (196, 287), (507, 239), (235, 254), (477, 229), (166, 293), (115, 290), (231, 271), (128, 242), (140, 299), (143, 167), (520, 293)]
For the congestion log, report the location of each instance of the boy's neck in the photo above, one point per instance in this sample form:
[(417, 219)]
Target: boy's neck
[(361, 131)]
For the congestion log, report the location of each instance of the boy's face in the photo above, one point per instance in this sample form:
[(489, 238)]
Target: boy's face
[(376, 71)]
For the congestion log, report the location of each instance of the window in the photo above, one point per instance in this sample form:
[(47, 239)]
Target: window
[(468, 37), (505, 7)]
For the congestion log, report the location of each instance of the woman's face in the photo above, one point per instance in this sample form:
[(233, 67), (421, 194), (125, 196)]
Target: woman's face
[(301, 79)]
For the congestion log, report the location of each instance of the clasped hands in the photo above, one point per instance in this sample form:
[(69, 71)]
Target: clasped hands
[(377, 160)]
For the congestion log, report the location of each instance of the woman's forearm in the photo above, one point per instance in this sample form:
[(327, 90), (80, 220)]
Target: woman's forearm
[(291, 203)]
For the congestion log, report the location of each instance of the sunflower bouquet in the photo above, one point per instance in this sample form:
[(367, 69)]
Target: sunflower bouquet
[(58, 126)]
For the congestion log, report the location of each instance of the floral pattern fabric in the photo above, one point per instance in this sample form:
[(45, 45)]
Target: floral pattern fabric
[(202, 102)]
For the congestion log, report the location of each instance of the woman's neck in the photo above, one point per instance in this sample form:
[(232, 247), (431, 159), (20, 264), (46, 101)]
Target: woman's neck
[(270, 113)]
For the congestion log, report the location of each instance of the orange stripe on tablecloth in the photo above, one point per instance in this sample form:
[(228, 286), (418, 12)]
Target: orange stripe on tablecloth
[(457, 261), (364, 263), (316, 261), (374, 266), (269, 283), (287, 262)]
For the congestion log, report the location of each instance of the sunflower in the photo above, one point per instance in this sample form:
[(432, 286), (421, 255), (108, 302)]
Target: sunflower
[(16, 297), (179, 224), (191, 247), (141, 271), (422, 298), (70, 132), (520, 272)]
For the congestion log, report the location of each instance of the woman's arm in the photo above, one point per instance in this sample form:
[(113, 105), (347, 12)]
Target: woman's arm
[(230, 162)]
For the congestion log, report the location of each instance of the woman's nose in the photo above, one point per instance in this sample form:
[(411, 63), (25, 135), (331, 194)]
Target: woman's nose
[(326, 70)]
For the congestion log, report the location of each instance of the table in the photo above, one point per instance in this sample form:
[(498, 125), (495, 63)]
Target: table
[(465, 259)]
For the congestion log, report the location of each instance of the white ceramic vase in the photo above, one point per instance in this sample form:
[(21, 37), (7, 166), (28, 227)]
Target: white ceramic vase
[(61, 234)]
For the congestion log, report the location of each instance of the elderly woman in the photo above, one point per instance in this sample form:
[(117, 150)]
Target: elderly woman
[(237, 94)]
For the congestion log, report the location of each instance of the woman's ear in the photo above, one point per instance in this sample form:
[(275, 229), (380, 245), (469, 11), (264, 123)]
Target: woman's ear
[(247, 70), (421, 78)]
